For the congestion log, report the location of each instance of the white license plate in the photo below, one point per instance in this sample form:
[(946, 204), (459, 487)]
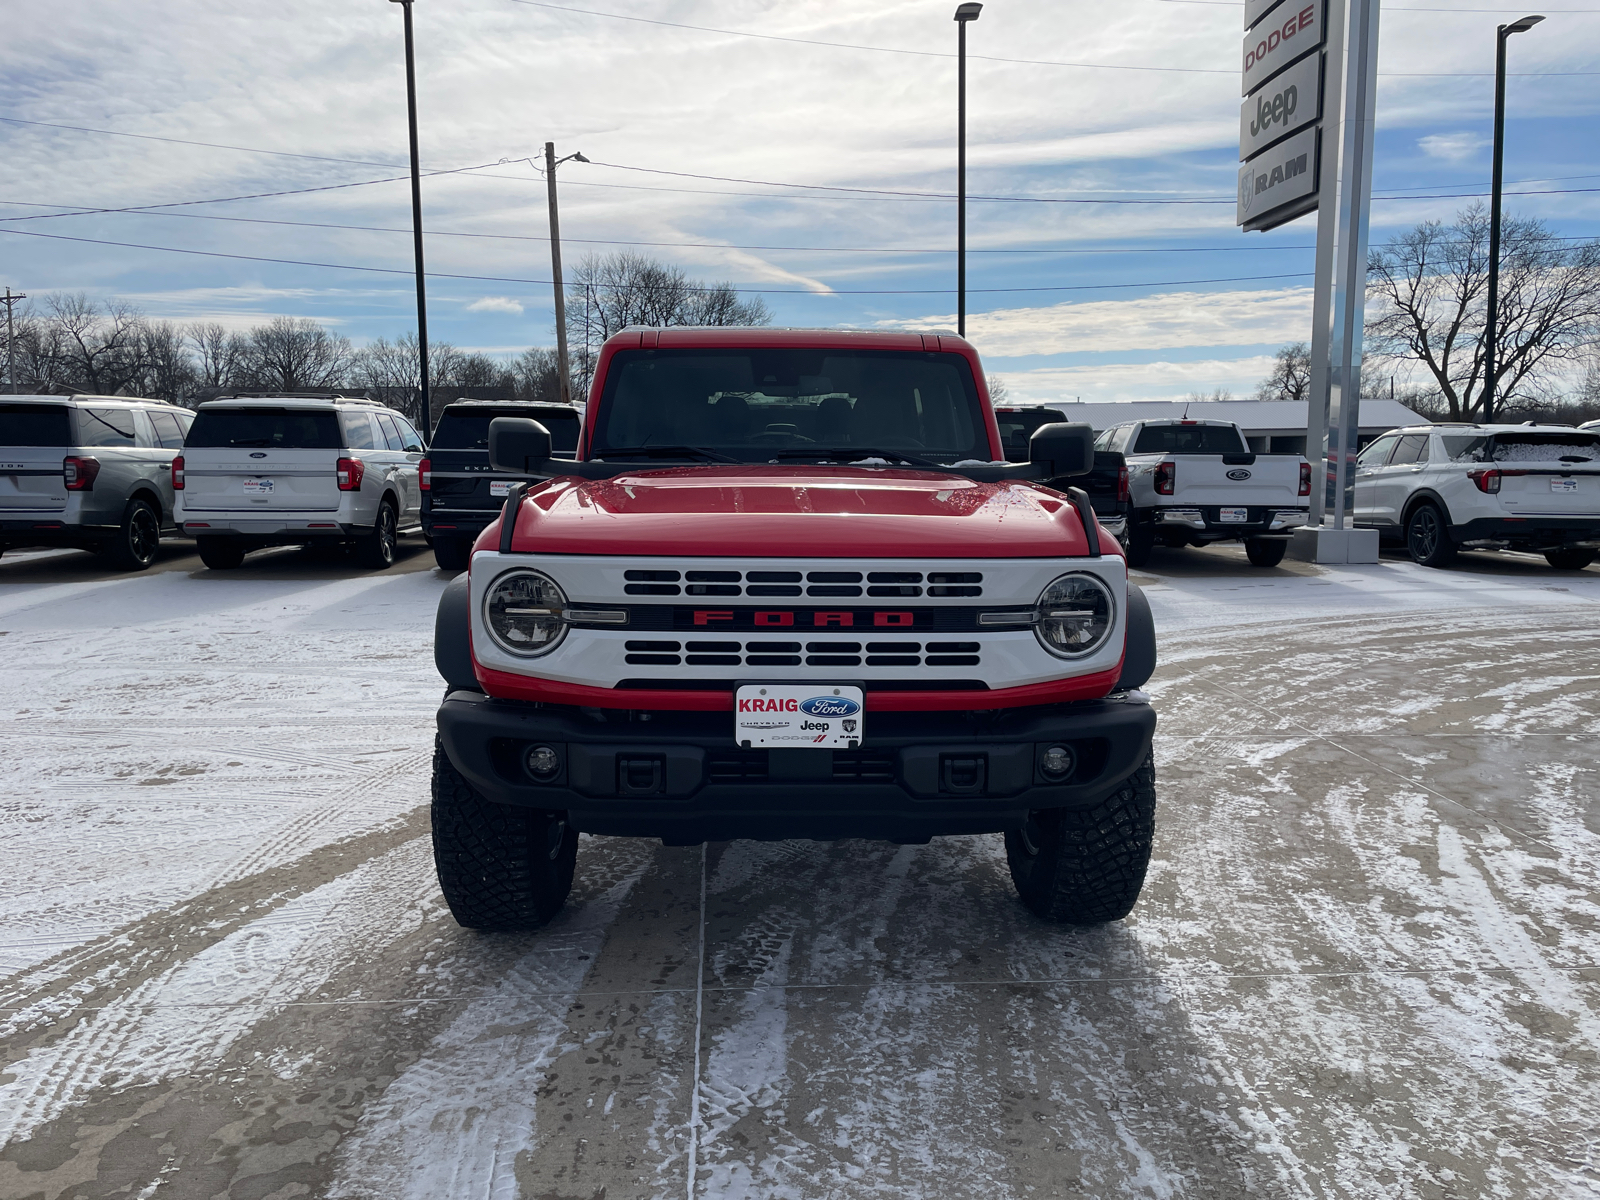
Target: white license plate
[(1234, 516), (1563, 485), (258, 487), (501, 488), (798, 716)]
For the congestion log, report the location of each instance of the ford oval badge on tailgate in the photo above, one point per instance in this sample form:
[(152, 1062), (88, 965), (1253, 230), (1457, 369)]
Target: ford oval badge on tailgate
[(1239, 475), (829, 706)]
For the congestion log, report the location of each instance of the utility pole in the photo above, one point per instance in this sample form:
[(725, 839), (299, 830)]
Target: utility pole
[(11, 299), (551, 162), (1491, 335), (416, 221), (965, 14)]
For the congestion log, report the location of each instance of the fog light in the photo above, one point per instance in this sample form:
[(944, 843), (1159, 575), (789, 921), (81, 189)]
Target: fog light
[(1057, 762), (543, 762)]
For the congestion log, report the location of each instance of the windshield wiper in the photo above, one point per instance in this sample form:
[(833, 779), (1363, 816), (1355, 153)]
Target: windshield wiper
[(666, 452), (856, 453)]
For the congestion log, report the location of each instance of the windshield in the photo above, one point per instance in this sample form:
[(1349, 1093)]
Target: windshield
[(776, 403), (470, 430), (1190, 439), (266, 428), (33, 425)]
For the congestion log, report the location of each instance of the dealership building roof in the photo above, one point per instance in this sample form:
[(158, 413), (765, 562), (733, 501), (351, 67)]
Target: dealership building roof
[(1263, 420)]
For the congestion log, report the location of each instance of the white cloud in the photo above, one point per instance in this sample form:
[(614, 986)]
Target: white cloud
[(1171, 321), (1452, 147), (495, 304), (1137, 381)]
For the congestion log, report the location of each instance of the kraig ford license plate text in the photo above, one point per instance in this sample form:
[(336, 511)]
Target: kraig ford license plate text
[(798, 715)]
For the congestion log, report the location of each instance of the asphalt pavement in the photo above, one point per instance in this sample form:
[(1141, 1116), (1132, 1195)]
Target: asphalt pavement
[(1364, 964)]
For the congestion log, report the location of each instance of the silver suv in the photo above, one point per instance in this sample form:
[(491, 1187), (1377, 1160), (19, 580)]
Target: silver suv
[(282, 470), (91, 472)]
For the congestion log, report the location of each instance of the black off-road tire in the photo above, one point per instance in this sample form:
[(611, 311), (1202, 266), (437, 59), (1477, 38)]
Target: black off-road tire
[(452, 553), (1570, 559), (220, 553), (133, 547), (1086, 866), (1265, 552), (1428, 536), (1141, 540), (377, 549), (500, 866)]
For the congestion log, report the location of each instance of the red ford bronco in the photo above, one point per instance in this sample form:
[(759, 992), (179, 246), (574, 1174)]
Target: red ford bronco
[(790, 588)]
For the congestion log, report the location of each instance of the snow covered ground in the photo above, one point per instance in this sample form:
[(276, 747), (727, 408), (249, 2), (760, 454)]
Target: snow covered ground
[(1364, 964)]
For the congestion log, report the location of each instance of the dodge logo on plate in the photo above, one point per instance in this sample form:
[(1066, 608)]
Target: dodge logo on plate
[(829, 706), (1239, 476)]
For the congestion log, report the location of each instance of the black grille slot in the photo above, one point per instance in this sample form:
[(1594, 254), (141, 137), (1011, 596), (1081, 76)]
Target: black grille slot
[(712, 589), (954, 583), (712, 577), (868, 766), (833, 660), (772, 589), (894, 577), (952, 647), (651, 589), (713, 647), (652, 576), (892, 660), (832, 589), (713, 660), (955, 577), (894, 648), (834, 577), (772, 647), (886, 590), (952, 660), (655, 647), (736, 766), (772, 577), (955, 591), (653, 660), (833, 647), (772, 660)]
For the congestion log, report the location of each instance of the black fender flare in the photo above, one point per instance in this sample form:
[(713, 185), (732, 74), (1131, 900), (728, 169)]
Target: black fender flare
[(1139, 653), (452, 636), (1421, 496)]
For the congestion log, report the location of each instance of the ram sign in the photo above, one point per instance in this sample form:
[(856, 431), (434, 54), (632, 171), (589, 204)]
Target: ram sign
[(1284, 176)]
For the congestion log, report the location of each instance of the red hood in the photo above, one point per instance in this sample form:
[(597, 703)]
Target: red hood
[(777, 511)]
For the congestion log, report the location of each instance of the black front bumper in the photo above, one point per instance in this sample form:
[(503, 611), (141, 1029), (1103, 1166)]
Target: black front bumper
[(681, 777), (1529, 533)]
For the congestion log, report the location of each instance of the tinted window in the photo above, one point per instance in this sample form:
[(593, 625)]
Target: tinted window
[(357, 430), (1545, 447), (1413, 447), (169, 434), (469, 429), (1377, 453), (409, 440), (780, 402), (1189, 439), (34, 425), (391, 435), (267, 428), (105, 427), (1017, 426)]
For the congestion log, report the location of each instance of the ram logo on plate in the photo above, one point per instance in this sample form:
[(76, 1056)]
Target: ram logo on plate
[(1239, 475), (829, 706)]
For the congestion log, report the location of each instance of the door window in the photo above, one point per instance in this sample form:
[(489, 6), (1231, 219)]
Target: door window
[(169, 434), (1377, 454), (105, 427), (1413, 447), (390, 433), (408, 436), (357, 430)]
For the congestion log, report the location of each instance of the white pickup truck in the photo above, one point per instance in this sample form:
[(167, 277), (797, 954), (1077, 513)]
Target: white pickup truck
[(1197, 482)]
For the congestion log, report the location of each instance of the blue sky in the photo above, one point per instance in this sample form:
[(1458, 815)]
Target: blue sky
[(1103, 300)]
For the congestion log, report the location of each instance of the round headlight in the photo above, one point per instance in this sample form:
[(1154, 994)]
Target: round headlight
[(1075, 616), (523, 613)]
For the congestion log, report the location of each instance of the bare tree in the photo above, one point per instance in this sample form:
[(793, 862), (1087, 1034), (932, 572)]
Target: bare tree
[(1208, 397), (1429, 288), (389, 370), (1290, 378), (625, 289), (218, 355), (538, 375), (168, 369), (98, 348), (289, 354), (998, 391)]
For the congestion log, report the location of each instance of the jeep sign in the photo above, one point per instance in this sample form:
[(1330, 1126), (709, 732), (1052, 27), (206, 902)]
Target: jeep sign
[(1294, 30), (1278, 178), (1286, 105)]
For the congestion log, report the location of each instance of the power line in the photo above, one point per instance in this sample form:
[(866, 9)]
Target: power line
[(292, 262), (1034, 62), (150, 137)]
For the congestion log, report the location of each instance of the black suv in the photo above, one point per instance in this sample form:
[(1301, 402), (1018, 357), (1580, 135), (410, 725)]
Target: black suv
[(1107, 484), (461, 495)]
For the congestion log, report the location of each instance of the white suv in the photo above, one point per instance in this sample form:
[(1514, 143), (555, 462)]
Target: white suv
[(279, 470), (1443, 488)]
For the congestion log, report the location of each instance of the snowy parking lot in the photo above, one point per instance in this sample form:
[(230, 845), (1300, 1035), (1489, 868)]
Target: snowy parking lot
[(1364, 964)]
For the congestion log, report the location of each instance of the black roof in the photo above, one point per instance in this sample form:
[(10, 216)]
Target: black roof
[(531, 405)]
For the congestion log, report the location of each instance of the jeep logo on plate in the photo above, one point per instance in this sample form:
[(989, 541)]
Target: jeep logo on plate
[(1239, 475), (829, 706)]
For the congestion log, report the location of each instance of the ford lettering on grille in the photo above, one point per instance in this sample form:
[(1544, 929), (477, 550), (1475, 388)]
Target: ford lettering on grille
[(829, 706)]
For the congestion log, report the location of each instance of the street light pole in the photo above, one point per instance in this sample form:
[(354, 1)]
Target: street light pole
[(10, 300), (1491, 335), (551, 162), (416, 220), (965, 13)]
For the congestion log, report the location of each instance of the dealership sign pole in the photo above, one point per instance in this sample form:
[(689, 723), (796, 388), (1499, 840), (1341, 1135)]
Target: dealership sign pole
[(1305, 145)]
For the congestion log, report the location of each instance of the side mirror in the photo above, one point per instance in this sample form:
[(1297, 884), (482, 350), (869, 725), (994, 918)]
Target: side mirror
[(517, 445), (1064, 449)]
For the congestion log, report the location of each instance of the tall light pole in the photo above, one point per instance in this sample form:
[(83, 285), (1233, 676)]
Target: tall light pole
[(416, 219), (965, 13), (1491, 334), (10, 300), (551, 162)]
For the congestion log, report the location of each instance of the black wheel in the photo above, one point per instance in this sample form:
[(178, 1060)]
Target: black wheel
[(221, 553), (133, 547), (1569, 559), (1086, 866), (1265, 552), (1141, 540), (452, 553), (500, 867), (376, 549), (1428, 537)]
